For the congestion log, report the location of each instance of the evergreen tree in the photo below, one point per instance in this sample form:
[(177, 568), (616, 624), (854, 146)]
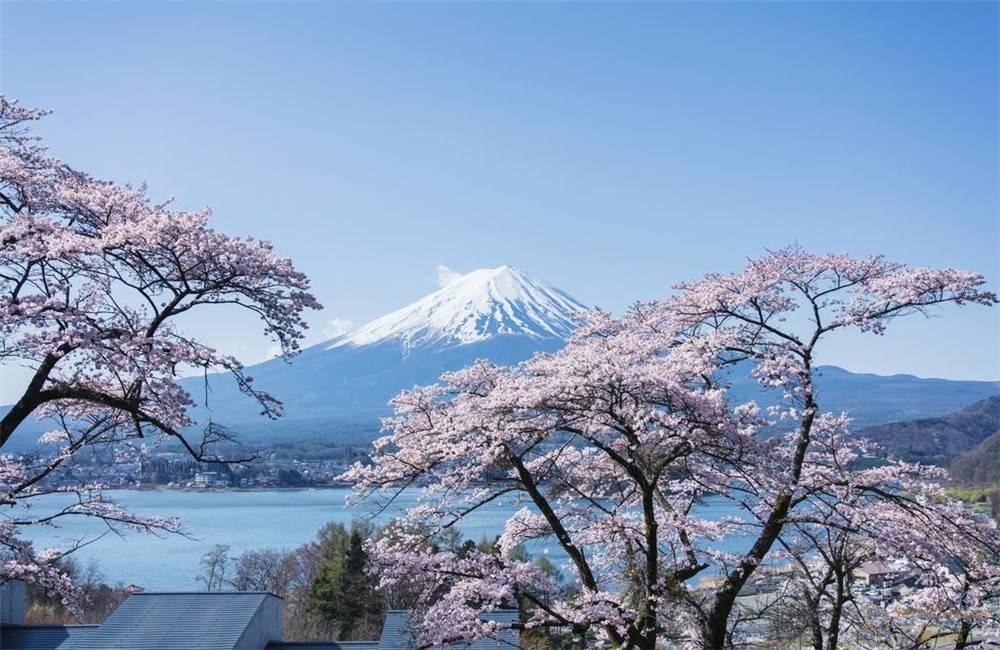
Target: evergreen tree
[(362, 609), (343, 594), (326, 597)]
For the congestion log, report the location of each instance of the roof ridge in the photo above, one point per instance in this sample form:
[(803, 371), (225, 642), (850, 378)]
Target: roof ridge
[(35, 626), (205, 593)]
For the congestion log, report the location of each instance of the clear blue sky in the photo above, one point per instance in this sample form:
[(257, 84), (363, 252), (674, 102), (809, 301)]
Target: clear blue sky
[(610, 149)]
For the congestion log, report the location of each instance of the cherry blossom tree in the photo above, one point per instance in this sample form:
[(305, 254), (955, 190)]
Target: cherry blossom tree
[(956, 558), (612, 443), (945, 561), (757, 308), (94, 278)]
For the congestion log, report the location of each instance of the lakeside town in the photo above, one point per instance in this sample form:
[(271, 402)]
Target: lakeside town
[(271, 468), (289, 466)]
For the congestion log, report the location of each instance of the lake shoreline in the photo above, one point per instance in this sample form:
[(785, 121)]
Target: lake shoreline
[(315, 488), (245, 519)]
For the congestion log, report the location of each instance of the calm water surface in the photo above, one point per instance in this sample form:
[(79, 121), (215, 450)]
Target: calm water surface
[(246, 520)]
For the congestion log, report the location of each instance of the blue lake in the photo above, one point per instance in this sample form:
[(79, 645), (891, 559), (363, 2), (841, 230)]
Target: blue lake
[(246, 520)]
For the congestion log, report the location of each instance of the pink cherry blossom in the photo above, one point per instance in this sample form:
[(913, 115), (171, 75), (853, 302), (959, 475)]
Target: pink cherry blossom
[(94, 277)]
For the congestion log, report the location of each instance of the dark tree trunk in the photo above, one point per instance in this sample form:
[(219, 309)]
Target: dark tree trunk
[(817, 634), (962, 640), (649, 624), (833, 630), (30, 401), (716, 623)]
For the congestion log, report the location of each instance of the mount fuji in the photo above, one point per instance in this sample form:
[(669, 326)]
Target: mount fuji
[(340, 387), (473, 308)]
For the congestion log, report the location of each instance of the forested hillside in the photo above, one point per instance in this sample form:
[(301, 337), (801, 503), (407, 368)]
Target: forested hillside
[(939, 440)]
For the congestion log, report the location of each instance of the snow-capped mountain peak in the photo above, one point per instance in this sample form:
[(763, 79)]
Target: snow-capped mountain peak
[(474, 307)]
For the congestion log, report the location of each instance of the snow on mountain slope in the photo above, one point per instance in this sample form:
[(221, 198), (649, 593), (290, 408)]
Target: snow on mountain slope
[(472, 308)]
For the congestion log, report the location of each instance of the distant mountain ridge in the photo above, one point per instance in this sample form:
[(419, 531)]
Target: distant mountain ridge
[(872, 399), (938, 440), (337, 390)]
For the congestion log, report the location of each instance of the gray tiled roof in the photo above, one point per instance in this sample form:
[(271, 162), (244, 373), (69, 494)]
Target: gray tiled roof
[(179, 621), (396, 634), (324, 645), (216, 621), (42, 637)]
